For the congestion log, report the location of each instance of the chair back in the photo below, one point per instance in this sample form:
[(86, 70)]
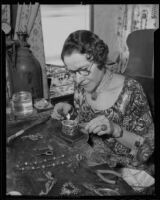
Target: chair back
[(140, 64)]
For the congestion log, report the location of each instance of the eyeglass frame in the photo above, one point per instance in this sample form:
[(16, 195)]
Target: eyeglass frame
[(81, 70)]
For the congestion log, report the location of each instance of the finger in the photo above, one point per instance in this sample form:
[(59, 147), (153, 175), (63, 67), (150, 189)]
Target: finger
[(98, 123), (56, 115), (97, 120), (101, 133), (82, 125), (93, 127), (93, 123), (97, 129), (65, 111), (83, 131), (59, 111)]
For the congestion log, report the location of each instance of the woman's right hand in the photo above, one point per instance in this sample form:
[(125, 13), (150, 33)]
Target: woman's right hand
[(61, 110)]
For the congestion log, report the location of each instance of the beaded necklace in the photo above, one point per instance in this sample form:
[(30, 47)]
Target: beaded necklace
[(41, 164)]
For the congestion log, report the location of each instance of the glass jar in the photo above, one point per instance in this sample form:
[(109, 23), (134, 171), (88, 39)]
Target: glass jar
[(22, 104)]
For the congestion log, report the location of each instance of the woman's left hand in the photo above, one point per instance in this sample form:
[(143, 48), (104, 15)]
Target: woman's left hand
[(100, 126)]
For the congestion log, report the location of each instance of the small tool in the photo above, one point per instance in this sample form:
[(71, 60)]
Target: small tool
[(46, 153), (49, 147), (19, 133), (108, 192)]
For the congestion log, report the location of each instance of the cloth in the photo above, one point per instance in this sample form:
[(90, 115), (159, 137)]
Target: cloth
[(137, 179), (131, 111)]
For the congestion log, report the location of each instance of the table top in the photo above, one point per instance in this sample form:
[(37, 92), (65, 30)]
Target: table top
[(32, 173)]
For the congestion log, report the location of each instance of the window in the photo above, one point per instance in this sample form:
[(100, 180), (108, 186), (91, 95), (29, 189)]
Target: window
[(58, 21)]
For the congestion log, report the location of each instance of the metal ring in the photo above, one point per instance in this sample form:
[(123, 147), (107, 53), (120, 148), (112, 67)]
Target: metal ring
[(104, 127)]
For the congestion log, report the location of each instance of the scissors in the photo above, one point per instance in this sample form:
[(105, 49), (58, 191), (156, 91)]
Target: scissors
[(46, 153)]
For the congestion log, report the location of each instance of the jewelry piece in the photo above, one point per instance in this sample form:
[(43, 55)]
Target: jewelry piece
[(35, 165), (33, 137), (49, 184), (79, 157), (69, 189), (104, 82), (104, 127), (28, 168)]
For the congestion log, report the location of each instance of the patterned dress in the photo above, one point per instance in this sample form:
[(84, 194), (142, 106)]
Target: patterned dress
[(131, 111)]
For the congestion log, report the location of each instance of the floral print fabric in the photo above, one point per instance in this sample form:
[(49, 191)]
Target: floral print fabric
[(131, 111)]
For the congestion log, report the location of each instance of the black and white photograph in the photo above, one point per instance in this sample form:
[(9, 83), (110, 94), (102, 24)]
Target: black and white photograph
[(79, 103)]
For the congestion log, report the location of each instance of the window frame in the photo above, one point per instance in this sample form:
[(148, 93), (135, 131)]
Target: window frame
[(91, 28)]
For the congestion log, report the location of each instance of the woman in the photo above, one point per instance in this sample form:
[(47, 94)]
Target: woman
[(114, 106)]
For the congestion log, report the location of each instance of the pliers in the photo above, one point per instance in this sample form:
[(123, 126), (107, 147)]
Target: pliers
[(100, 173)]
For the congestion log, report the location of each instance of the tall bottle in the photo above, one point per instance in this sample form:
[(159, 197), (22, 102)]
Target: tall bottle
[(26, 71)]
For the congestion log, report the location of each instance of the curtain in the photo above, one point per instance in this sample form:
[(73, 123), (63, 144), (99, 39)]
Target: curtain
[(29, 20), (5, 15), (5, 18), (131, 18)]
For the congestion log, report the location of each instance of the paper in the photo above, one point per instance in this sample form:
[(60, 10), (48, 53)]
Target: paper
[(137, 179)]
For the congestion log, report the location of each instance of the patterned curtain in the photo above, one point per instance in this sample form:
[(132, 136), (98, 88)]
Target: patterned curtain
[(5, 14), (5, 18), (29, 20), (132, 18)]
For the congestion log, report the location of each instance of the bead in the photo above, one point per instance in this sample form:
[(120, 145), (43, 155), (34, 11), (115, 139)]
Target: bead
[(53, 164), (22, 168), (62, 162), (43, 166), (33, 167)]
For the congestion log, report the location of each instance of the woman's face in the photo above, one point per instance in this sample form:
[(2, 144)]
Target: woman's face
[(76, 62)]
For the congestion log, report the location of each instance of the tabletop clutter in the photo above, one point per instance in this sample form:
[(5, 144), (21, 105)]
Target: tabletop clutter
[(51, 157)]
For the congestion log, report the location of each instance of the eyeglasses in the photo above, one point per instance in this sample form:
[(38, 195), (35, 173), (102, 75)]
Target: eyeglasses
[(82, 71)]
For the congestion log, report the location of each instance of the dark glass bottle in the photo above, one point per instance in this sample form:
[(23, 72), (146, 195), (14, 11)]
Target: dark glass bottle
[(26, 71)]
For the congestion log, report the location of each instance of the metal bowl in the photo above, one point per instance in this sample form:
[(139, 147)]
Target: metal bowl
[(69, 127)]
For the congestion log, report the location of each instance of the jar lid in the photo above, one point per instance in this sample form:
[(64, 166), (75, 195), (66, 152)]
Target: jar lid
[(21, 96)]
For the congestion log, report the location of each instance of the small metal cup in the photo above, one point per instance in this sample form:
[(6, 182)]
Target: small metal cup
[(69, 127)]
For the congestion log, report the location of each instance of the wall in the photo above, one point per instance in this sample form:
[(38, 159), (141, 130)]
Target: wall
[(105, 20)]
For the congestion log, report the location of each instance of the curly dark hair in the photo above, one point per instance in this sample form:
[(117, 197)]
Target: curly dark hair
[(86, 42)]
